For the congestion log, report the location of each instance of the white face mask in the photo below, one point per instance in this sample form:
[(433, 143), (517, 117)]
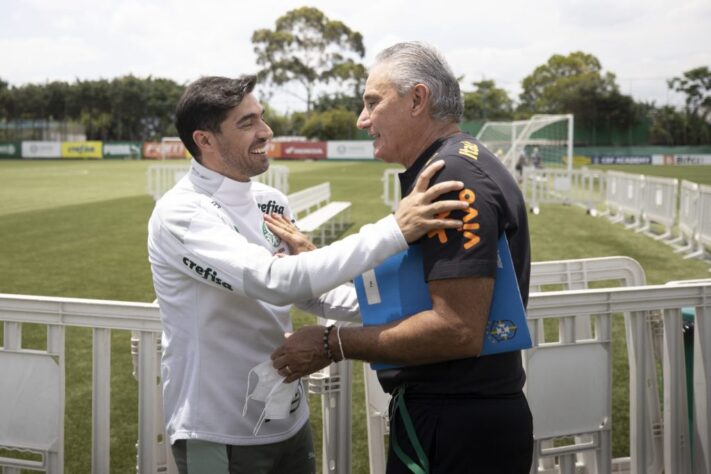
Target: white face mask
[(271, 390)]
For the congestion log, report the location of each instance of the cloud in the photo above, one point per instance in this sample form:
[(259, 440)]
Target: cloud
[(642, 41), (38, 59)]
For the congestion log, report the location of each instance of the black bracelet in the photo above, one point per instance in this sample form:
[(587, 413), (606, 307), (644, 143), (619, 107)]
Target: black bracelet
[(326, 347)]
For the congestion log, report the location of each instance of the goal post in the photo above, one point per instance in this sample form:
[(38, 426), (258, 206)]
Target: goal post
[(541, 141)]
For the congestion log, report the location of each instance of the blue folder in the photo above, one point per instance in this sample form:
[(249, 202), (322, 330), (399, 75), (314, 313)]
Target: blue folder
[(397, 289)]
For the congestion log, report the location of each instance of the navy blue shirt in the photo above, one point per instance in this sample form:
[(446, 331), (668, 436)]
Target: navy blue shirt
[(496, 205)]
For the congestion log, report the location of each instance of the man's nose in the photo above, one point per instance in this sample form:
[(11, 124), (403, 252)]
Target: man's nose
[(363, 121), (265, 131)]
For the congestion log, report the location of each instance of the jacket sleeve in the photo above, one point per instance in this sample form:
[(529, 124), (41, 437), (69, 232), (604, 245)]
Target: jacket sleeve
[(199, 242), (341, 304)]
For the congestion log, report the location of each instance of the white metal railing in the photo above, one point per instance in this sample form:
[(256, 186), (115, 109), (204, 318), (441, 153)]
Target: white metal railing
[(637, 201), (705, 215), (614, 193), (625, 196), (659, 205), (58, 314), (582, 187), (641, 303), (161, 177), (689, 205), (646, 200)]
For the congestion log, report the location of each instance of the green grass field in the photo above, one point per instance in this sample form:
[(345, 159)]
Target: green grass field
[(78, 229)]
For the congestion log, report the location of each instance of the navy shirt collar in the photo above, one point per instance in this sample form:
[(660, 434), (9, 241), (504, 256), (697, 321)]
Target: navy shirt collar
[(408, 177)]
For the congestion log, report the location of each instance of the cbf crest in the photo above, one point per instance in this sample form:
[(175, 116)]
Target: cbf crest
[(500, 330)]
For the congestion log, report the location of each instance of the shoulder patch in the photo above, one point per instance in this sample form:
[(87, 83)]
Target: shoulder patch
[(469, 149)]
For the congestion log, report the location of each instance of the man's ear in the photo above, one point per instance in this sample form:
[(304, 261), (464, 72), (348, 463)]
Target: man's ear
[(204, 140), (420, 99)]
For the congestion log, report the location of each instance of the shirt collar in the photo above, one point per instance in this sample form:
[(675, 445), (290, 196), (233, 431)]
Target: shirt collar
[(222, 188), (408, 177)]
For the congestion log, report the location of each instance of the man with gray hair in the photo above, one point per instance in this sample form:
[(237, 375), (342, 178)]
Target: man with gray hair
[(457, 411)]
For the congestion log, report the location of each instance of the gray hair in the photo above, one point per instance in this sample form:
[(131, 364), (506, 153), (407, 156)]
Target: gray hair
[(415, 63)]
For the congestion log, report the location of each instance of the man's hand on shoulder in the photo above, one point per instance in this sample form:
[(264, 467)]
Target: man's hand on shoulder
[(417, 214), (289, 233)]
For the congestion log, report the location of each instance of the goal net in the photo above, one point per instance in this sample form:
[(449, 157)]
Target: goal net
[(543, 141)]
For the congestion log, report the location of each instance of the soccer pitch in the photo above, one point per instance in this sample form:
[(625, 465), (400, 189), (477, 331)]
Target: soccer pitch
[(78, 229)]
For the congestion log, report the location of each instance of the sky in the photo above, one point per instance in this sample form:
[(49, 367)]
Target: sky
[(643, 42)]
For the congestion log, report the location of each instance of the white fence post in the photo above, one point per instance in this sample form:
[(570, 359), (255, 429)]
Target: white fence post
[(704, 234), (659, 205), (391, 188), (689, 206), (334, 385), (101, 401), (702, 390)]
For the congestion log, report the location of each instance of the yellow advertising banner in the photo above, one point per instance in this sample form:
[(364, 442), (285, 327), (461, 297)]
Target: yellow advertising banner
[(91, 149)]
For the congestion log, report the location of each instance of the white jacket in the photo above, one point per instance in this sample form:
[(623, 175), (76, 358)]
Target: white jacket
[(225, 296)]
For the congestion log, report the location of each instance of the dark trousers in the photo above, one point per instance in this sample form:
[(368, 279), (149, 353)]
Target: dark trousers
[(466, 435)]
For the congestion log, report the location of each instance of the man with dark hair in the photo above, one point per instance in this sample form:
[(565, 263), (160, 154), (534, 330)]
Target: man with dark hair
[(225, 291), (206, 103), (468, 412)]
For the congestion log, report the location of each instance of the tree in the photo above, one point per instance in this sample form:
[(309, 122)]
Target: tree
[(91, 106), (5, 100), (487, 101), (696, 84), (280, 124), (298, 120), (128, 96), (159, 118), (690, 126), (308, 48), (334, 124), (353, 103), (668, 127), (563, 82), (673, 127), (56, 94), (576, 84), (30, 102)]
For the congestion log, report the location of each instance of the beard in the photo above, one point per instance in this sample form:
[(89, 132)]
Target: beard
[(244, 164)]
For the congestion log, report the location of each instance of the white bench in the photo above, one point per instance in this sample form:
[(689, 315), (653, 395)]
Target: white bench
[(317, 216)]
